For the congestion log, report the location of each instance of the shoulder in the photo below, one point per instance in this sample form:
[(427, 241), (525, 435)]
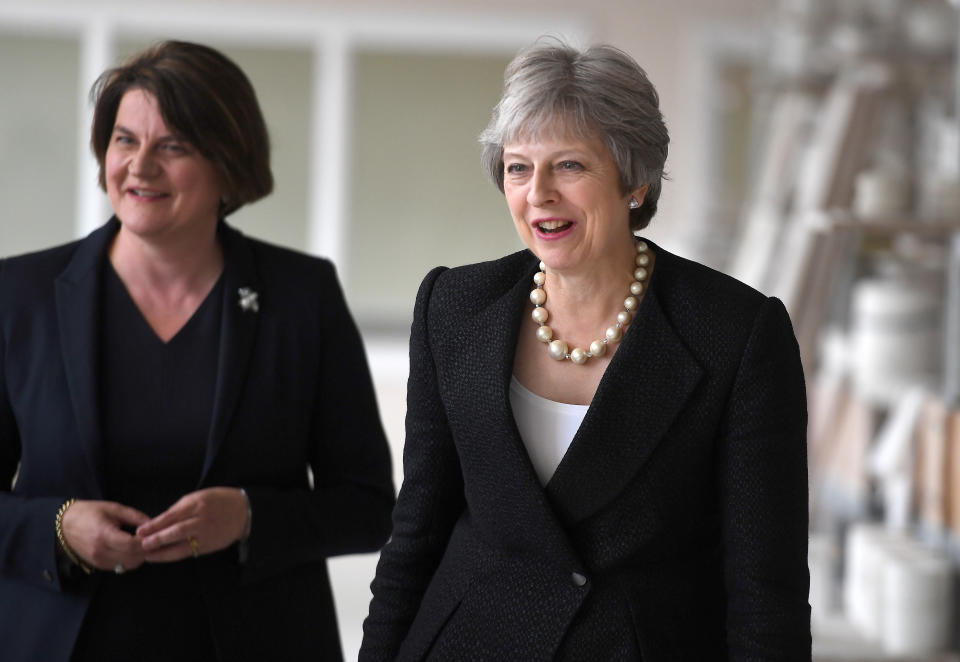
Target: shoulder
[(49, 262), (290, 274), (29, 279), (712, 311), (283, 262), (683, 282), (476, 285)]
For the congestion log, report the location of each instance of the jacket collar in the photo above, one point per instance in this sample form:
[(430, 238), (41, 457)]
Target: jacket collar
[(644, 388), (77, 291), (78, 313), (530, 521), (238, 332)]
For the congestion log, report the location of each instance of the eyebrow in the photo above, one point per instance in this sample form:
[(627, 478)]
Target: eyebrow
[(567, 153), (119, 128)]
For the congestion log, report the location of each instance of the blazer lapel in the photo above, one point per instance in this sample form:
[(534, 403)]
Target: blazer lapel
[(642, 391), (529, 516), (238, 329), (77, 292)]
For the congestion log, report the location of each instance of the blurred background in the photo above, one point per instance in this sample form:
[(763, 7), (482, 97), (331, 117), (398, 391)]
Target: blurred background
[(814, 154)]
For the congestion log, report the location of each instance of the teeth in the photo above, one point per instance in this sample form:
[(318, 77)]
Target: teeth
[(553, 225), (146, 194)]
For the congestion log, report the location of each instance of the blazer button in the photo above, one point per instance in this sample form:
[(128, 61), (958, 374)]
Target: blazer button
[(578, 579), (47, 576)]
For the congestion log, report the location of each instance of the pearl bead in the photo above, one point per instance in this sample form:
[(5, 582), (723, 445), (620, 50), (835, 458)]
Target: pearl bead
[(540, 278), (538, 296), (639, 274), (641, 247), (540, 315), (543, 267), (544, 333), (636, 288), (643, 260), (624, 317), (598, 348), (613, 333), (630, 303), (558, 349), (578, 356)]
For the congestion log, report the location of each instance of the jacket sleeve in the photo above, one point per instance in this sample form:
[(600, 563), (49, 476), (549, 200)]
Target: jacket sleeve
[(431, 499), (27, 540), (348, 509), (763, 488)]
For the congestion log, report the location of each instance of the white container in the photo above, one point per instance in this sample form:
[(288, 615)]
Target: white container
[(880, 194), (896, 337), (917, 602), (822, 559), (862, 589), (897, 592)]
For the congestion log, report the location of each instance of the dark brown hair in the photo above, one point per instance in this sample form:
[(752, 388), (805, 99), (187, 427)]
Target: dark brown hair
[(206, 100)]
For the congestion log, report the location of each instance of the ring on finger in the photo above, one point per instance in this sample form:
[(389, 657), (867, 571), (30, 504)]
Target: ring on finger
[(119, 569), (194, 546)]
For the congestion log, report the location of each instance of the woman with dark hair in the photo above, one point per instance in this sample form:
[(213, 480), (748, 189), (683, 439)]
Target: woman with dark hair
[(605, 455), (188, 427)]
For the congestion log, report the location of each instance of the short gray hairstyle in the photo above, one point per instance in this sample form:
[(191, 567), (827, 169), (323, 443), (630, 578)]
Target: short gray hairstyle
[(553, 88)]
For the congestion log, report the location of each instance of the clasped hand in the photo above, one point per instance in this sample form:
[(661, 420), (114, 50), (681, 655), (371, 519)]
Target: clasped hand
[(98, 531)]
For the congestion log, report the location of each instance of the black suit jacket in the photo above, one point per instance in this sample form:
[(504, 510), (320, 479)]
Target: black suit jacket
[(675, 527), (293, 390)]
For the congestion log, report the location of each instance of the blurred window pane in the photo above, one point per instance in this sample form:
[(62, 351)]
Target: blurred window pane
[(40, 98), (418, 197)]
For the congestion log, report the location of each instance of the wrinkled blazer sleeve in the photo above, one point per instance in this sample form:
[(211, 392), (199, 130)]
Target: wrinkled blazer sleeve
[(763, 488), (429, 503)]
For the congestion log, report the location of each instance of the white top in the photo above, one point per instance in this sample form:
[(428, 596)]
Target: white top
[(546, 427)]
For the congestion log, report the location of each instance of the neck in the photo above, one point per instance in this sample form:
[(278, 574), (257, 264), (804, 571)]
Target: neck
[(582, 301), (171, 267)]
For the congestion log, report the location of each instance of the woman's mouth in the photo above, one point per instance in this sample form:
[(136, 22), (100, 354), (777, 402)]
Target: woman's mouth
[(146, 194), (553, 226)]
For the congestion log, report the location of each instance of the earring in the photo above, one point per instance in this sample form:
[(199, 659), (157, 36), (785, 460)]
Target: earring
[(633, 203)]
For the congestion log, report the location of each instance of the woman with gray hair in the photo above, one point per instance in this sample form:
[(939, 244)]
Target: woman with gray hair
[(605, 455)]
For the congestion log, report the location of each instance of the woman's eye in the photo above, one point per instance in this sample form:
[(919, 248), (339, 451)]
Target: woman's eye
[(123, 140), (174, 148), (515, 168), (569, 165)]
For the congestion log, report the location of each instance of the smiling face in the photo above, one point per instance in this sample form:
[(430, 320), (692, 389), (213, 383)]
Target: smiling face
[(566, 201), (160, 186)]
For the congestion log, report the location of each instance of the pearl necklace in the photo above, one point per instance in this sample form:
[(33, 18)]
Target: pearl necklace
[(558, 348)]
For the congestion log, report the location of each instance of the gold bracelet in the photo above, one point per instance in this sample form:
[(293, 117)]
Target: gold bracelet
[(62, 542)]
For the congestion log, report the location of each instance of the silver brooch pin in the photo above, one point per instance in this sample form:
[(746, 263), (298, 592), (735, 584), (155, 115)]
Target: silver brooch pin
[(248, 300)]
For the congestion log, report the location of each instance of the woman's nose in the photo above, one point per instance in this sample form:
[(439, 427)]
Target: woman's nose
[(142, 163), (542, 190)]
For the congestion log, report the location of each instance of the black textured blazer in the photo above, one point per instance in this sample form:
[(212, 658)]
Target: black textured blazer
[(675, 527), (293, 390)]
